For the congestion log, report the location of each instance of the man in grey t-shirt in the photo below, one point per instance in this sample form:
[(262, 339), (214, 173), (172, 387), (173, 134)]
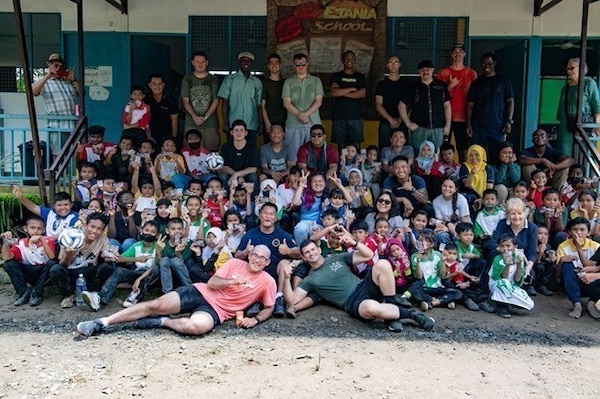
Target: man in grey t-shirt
[(276, 158)]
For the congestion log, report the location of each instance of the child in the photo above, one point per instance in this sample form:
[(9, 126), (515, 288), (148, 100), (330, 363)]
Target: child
[(473, 266), (427, 266), (506, 277), (95, 205), (572, 187), (359, 230), (87, 179), (419, 221), (95, 150), (145, 157), (194, 156), (349, 159), (397, 147), (446, 166), (240, 199), (577, 257), (450, 208), (544, 266), (216, 252), (553, 215), (136, 113), (27, 261), (424, 161), (56, 219), (456, 275), (329, 220), (359, 191), (589, 209), (232, 224), (191, 214), (488, 217), (398, 257), (173, 257), (215, 202), (148, 193), (118, 161), (371, 170), (163, 214), (520, 191), (168, 162), (537, 186), (144, 255), (381, 236)]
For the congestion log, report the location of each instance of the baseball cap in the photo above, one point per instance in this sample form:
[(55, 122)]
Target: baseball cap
[(246, 54), (55, 57), (425, 64), (458, 45)]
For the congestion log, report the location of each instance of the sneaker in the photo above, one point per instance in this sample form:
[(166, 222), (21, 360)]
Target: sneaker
[(487, 306), (253, 310), (148, 322), (451, 305), (503, 312), (92, 299), (530, 290), (394, 325), (424, 321), (403, 302), (87, 328), (23, 299), (132, 299), (290, 312), (469, 304), (67, 302), (35, 300), (425, 306), (279, 308), (542, 289)]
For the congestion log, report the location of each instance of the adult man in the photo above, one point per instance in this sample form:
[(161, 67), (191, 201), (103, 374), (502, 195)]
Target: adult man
[(409, 189), (368, 299), (163, 109), (276, 158), (235, 286), (200, 101), (458, 78), (241, 158), (348, 87), (302, 97), (428, 101), (490, 108), (280, 243), (388, 94), (87, 261), (317, 155), (273, 111), (241, 98), (60, 89), (543, 156)]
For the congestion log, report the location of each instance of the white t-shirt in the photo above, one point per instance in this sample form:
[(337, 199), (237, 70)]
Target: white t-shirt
[(443, 208)]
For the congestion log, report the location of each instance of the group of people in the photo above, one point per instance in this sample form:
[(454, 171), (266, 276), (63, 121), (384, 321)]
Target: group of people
[(374, 231)]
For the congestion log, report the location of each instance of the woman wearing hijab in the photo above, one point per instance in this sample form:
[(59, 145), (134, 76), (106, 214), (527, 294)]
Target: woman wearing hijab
[(424, 164), (476, 175)]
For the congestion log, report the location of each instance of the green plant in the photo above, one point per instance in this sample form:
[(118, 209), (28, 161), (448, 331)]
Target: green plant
[(11, 210)]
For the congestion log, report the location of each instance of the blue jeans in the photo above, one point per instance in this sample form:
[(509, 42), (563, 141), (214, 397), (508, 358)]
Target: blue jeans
[(168, 266), (574, 287), (124, 246), (303, 230)]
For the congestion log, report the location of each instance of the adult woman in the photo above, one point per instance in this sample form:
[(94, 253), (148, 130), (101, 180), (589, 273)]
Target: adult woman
[(567, 105), (476, 175), (385, 207), (507, 172), (309, 196), (450, 208)]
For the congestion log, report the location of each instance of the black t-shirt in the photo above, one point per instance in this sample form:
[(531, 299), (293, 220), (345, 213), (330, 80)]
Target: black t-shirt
[(392, 92), (122, 225), (239, 159), (420, 99), (344, 107), (551, 154), (160, 114), (273, 102)]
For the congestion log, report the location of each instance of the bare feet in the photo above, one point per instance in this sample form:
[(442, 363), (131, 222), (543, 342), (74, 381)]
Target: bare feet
[(591, 308), (576, 312)]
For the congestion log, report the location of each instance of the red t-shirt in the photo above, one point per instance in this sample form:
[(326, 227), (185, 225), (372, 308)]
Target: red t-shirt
[(458, 94)]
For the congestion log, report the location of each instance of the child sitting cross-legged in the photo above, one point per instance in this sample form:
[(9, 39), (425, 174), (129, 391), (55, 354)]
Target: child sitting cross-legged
[(399, 258), (457, 277)]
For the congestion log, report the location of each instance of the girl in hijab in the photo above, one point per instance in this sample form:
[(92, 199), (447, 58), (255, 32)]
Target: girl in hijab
[(476, 175), (424, 164)]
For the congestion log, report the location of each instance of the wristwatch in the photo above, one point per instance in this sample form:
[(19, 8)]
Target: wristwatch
[(257, 319), (510, 121)]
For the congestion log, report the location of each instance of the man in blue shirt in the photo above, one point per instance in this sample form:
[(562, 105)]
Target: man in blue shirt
[(409, 189)]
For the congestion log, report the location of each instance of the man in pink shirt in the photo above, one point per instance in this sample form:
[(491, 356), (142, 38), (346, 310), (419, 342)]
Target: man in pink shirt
[(234, 287)]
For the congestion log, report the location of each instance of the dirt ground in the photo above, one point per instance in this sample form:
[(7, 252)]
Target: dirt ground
[(321, 354)]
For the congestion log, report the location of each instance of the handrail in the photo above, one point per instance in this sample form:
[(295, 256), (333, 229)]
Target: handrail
[(589, 150), (60, 163)]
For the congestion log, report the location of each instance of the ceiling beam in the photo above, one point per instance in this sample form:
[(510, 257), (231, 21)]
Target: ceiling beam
[(120, 5), (539, 8)]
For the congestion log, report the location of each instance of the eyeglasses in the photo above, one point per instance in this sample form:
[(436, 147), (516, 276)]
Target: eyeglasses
[(384, 201), (298, 64), (539, 136), (260, 257), (316, 135), (571, 68)]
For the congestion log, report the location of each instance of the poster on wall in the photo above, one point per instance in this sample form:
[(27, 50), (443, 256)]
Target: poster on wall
[(324, 30)]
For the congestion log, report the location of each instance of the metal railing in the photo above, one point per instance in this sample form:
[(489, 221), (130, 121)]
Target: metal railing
[(586, 150)]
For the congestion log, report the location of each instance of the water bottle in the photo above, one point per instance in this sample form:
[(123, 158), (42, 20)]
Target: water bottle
[(80, 286)]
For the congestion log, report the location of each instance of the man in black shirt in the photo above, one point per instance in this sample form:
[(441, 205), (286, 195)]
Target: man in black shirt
[(388, 94), (163, 110), (241, 158)]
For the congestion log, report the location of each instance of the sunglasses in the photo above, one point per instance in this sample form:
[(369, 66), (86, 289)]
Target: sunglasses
[(316, 135), (298, 64), (384, 201)]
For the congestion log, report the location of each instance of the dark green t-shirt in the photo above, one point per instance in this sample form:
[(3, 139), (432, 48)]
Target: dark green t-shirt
[(333, 280)]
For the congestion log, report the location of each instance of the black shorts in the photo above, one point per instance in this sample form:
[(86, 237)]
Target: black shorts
[(193, 301), (366, 289)]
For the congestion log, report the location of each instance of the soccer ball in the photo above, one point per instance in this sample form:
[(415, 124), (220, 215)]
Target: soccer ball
[(71, 238), (214, 161)]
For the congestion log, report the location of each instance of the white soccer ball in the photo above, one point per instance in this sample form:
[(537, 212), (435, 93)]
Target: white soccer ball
[(214, 161), (71, 238)]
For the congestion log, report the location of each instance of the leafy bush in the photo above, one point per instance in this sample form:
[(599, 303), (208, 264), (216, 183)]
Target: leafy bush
[(12, 212)]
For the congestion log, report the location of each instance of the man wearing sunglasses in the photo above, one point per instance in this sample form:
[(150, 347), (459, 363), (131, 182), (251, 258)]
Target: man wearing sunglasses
[(302, 97), (236, 285), (317, 155)]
